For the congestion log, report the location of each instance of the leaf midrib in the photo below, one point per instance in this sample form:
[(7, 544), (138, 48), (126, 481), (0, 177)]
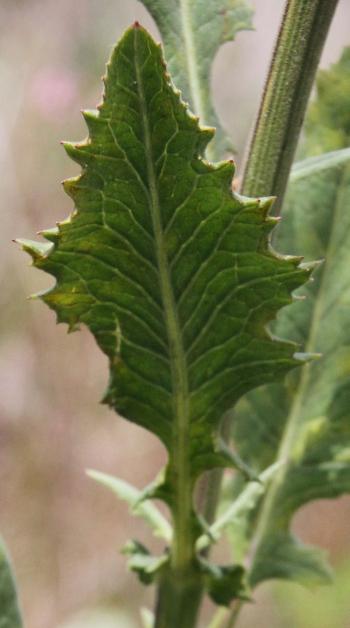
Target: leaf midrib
[(183, 547), (293, 427)]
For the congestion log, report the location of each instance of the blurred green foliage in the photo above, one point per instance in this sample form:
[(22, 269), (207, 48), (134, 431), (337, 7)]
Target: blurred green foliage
[(328, 607), (327, 125)]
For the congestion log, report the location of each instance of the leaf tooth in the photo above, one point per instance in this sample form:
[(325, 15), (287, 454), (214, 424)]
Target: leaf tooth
[(298, 297), (296, 260), (307, 357), (41, 294), (53, 235), (205, 136), (37, 250), (265, 203), (273, 220), (70, 186), (76, 152), (104, 77), (226, 171), (90, 113), (62, 224), (270, 223), (92, 119), (311, 266), (53, 300)]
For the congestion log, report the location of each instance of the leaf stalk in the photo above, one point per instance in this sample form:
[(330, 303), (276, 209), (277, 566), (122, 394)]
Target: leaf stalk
[(292, 71)]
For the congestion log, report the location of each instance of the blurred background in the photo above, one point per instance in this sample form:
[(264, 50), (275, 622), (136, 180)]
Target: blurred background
[(63, 531)]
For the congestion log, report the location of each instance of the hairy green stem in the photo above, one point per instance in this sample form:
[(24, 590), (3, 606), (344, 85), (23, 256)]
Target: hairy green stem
[(219, 617), (298, 49), (179, 598), (225, 617)]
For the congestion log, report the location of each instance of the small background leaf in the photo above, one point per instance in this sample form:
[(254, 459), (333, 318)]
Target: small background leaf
[(133, 496), (192, 32), (327, 126), (235, 514), (298, 609)]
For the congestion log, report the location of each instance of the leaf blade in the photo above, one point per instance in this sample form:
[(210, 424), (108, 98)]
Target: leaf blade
[(171, 272)]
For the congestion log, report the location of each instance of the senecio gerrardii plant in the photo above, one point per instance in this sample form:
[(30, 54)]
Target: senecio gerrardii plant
[(176, 277)]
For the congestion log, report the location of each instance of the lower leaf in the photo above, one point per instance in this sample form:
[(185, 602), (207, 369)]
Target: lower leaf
[(10, 616)]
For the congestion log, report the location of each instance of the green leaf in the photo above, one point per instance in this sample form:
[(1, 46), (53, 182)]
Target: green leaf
[(171, 271), (133, 496), (327, 126), (225, 583), (315, 165), (192, 32), (296, 606), (305, 423), (143, 563), (10, 616)]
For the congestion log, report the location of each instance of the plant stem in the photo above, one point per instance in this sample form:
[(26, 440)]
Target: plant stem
[(226, 618), (179, 598), (234, 615), (297, 52), (219, 617)]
